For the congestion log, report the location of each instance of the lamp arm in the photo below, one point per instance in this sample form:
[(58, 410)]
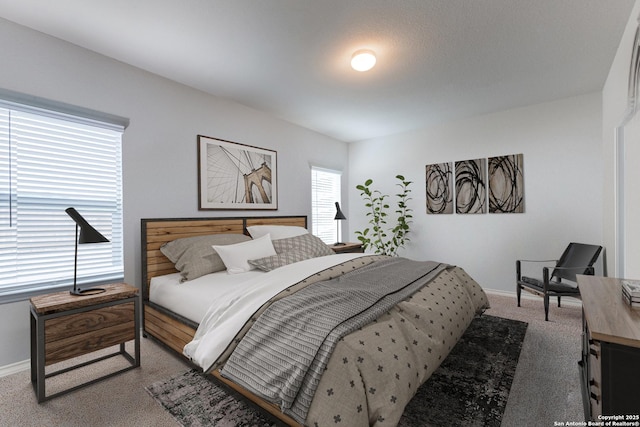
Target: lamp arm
[(75, 262)]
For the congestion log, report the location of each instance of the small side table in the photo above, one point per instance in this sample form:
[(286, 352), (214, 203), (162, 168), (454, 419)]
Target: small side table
[(64, 326), (347, 248)]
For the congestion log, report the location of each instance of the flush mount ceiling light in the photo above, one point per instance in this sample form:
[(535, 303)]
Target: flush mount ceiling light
[(363, 60)]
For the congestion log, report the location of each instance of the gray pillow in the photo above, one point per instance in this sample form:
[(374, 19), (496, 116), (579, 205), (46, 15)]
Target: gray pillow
[(292, 249), (194, 256), (307, 244), (274, 261)]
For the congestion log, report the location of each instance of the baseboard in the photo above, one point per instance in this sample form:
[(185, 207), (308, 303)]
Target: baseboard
[(526, 295), (14, 368)]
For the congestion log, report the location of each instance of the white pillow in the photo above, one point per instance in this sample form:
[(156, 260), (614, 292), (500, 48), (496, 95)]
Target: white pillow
[(276, 231), (235, 257)]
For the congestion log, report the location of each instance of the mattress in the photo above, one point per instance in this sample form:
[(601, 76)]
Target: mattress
[(192, 299)]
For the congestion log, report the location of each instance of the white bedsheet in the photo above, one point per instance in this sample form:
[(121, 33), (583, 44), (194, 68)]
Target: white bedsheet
[(192, 299), (230, 311)]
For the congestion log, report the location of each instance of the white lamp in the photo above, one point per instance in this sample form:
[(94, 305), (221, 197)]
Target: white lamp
[(363, 60)]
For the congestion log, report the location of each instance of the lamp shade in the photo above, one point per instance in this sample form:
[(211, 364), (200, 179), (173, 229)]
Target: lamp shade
[(88, 234), (339, 214)]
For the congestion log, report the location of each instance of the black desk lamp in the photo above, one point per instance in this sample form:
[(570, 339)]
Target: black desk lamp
[(88, 234), (339, 216)]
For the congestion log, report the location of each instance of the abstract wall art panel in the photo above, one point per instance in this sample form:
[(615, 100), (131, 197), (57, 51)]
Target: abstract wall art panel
[(471, 188), (439, 184), (506, 184)]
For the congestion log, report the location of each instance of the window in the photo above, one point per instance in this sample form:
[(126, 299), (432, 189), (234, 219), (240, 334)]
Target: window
[(50, 161), (325, 192)]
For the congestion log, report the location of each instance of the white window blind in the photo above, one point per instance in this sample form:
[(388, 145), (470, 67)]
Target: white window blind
[(325, 192), (50, 162), (5, 173)]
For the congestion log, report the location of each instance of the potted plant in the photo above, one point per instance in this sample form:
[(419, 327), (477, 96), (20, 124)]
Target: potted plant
[(379, 237)]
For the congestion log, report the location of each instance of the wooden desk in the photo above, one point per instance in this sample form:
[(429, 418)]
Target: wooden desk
[(64, 326), (610, 363)]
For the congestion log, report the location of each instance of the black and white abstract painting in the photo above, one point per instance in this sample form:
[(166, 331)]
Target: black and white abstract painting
[(471, 188), (506, 184), (439, 185)]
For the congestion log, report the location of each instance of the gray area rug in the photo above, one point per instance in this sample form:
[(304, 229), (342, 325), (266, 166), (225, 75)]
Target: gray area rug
[(470, 388)]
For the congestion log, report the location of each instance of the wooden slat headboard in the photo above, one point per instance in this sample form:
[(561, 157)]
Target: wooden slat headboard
[(156, 232)]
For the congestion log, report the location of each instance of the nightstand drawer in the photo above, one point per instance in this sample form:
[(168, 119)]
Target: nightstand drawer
[(74, 335)]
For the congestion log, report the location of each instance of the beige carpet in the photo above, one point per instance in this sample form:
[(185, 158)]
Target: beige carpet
[(117, 401), (546, 387)]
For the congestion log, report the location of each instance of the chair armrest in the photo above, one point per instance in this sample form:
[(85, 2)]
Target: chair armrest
[(520, 261), (589, 270), (573, 268), (538, 260), (545, 279)]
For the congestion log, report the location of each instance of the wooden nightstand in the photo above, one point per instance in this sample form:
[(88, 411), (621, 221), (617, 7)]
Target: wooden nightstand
[(64, 326), (347, 248)]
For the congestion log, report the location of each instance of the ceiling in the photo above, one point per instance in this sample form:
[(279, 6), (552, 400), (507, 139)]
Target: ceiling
[(438, 60)]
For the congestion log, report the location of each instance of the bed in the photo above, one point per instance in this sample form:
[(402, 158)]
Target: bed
[(368, 363)]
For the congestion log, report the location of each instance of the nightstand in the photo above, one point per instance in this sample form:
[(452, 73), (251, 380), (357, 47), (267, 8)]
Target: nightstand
[(347, 248), (64, 326)]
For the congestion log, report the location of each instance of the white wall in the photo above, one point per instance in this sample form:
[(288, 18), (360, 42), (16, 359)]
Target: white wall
[(614, 104), (561, 143), (564, 169), (159, 148)]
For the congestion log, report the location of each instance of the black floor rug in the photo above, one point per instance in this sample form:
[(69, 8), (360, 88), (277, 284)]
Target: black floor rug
[(470, 388)]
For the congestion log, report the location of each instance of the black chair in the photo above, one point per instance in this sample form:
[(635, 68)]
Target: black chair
[(578, 258)]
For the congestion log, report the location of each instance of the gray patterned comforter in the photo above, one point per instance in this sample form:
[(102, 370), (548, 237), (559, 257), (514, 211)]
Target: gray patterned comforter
[(381, 336)]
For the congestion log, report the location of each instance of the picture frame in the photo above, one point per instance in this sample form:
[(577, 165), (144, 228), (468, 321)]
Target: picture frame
[(236, 176), (439, 186), (506, 184), (471, 186)]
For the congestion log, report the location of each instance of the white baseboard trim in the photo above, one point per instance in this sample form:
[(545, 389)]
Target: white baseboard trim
[(526, 295), (504, 293), (14, 368)]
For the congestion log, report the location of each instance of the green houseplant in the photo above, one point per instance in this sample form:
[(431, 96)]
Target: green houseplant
[(379, 237)]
